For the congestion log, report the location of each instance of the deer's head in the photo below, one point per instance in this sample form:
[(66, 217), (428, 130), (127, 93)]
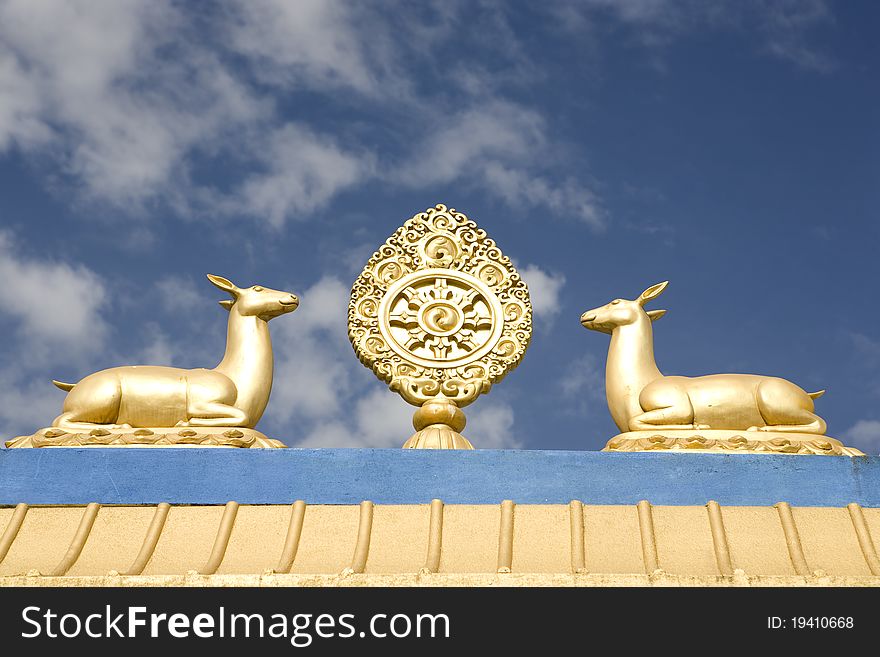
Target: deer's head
[(256, 300), (623, 311)]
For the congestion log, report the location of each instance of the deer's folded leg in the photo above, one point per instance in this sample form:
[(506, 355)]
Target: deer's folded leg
[(68, 421), (817, 426), (215, 414), (669, 418)]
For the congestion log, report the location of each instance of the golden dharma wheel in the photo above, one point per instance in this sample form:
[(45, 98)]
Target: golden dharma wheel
[(441, 314)]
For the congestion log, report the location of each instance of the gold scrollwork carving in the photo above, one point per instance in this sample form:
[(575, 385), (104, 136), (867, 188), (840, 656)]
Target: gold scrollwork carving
[(491, 274), (439, 249)]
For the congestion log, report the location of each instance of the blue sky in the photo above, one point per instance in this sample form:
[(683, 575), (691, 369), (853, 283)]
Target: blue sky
[(729, 147)]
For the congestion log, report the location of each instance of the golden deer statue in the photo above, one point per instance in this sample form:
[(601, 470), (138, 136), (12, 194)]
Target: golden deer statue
[(642, 399), (110, 403)]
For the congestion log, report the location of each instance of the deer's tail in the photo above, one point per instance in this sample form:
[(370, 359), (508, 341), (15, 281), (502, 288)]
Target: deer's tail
[(64, 386), (815, 395)]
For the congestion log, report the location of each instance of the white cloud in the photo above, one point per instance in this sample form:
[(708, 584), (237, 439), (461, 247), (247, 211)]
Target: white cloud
[(158, 350), (383, 420), (131, 100), (26, 405), (312, 356), (641, 11), (114, 92), (56, 309), (498, 130), (19, 105), (178, 294), (491, 145), (302, 171), (866, 347), (123, 98), (784, 25), (864, 434), (583, 384), (318, 43), (74, 57), (544, 289), (58, 306), (491, 425), (570, 199), (379, 419)]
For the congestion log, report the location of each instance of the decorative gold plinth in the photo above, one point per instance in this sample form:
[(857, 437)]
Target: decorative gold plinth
[(437, 436), (729, 442), (437, 423), (147, 437)]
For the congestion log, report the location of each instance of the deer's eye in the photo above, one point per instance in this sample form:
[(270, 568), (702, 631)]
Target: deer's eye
[(615, 302), (257, 288)]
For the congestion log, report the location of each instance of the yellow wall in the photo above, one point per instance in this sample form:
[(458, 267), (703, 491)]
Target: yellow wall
[(389, 545)]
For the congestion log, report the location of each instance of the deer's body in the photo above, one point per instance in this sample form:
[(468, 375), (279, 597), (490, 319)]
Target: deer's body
[(234, 393), (641, 398), (145, 396)]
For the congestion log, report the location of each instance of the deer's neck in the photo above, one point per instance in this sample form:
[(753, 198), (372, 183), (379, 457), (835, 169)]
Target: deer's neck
[(630, 367), (248, 362)]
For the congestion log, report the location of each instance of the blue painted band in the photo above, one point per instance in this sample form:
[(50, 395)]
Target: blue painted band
[(397, 476)]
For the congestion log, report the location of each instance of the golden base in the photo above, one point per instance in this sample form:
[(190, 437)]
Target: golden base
[(729, 442), (147, 437), (437, 436)]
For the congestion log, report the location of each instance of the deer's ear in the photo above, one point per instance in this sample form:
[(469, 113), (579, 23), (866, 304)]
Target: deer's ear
[(223, 283), (227, 303), (655, 314), (652, 292)]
